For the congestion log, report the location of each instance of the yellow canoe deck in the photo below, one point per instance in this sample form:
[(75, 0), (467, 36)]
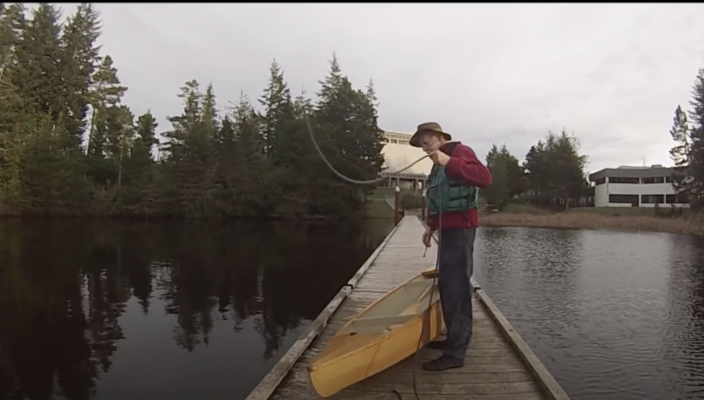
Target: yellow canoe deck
[(499, 365)]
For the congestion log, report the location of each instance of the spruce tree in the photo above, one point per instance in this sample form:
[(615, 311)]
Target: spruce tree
[(681, 152), (696, 153)]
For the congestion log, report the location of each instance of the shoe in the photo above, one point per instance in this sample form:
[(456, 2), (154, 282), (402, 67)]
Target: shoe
[(436, 345), (442, 363)]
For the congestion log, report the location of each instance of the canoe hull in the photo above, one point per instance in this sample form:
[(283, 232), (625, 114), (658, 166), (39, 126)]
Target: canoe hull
[(349, 359)]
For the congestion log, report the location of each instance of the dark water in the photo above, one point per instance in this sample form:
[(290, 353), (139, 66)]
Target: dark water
[(613, 316), (164, 310)]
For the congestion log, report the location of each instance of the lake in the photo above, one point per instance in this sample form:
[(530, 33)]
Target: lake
[(163, 310), (177, 310), (613, 316)]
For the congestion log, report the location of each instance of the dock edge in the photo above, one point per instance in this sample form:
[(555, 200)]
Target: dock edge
[(266, 387), (544, 378)]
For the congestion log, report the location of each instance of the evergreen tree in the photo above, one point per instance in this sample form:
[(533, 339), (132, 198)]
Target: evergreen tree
[(681, 152), (79, 56), (696, 151), (498, 193), (352, 138), (57, 90), (278, 114), (555, 172), (38, 73)]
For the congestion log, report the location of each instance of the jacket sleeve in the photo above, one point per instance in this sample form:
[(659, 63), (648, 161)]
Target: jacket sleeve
[(465, 166)]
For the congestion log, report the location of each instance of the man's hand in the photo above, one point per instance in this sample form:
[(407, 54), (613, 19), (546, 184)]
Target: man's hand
[(439, 157), (427, 237)]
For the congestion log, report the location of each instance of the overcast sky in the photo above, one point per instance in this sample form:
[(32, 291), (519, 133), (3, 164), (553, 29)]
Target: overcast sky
[(612, 74)]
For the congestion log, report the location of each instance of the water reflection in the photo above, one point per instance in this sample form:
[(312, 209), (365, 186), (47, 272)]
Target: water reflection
[(170, 310), (614, 316)]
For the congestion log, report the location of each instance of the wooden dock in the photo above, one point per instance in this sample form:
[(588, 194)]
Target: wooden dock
[(499, 364)]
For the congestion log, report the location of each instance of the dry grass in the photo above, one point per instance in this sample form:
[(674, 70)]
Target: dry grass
[(584, 220), (379, 208)]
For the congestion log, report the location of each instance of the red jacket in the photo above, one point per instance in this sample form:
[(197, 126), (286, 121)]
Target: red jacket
[(465, 166)]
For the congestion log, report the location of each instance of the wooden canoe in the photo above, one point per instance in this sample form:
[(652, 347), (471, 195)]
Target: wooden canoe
[(386, 332)]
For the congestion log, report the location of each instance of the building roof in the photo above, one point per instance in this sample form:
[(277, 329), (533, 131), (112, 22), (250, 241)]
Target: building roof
[(632, 172)]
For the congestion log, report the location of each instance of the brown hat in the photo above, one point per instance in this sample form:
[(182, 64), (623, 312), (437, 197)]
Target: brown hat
[(427, 127)]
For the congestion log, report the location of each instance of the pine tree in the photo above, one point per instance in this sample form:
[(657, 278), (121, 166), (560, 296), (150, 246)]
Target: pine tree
[(278, 113), (696, 151), (12, 24), (507, 176), (79, 58), (352, 140), (38, 76), (555, 171), (681, 152), (250, 157)]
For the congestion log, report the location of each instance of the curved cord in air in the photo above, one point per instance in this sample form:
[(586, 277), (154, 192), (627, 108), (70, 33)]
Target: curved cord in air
[(341, 176), (437, 259)]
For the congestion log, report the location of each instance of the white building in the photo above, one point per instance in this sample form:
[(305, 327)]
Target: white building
[(635, 187), (398, 153)]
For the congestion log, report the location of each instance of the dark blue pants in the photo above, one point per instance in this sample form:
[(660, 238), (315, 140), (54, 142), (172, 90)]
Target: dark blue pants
[(456, 267)]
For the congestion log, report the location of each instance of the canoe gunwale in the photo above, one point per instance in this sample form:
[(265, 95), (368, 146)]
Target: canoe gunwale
[(417, 321), (316, 363)]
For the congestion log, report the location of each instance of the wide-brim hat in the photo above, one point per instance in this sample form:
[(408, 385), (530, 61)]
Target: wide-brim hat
[(427, 127)]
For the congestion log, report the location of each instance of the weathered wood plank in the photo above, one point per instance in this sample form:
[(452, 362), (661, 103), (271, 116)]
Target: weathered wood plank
[(401, 376), (493, 368), (351, 394), (544, 378)]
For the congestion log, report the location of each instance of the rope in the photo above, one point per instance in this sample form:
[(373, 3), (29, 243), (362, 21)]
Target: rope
[(341, 176), (437, 258), (430, 303)]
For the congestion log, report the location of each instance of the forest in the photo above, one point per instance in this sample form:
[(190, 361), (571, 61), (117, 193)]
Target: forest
[(69, 146)]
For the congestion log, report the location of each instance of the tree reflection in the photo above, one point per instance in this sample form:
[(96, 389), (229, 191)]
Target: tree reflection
[(65, 285)]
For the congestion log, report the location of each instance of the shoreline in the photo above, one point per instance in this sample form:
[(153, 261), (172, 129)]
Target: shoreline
[(586, 220)]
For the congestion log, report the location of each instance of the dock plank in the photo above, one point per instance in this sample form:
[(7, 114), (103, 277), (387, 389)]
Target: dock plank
[(494, 367)]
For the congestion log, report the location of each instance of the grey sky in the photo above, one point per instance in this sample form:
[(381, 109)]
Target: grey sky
[(612, 74)]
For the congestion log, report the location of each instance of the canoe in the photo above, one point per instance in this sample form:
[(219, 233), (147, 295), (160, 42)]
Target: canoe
[(384, 333)]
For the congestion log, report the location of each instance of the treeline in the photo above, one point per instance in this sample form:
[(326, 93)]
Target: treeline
[(688, 152), (70, 146), (551, 176)]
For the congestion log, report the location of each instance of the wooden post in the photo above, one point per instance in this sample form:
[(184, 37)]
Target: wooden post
[(422, 205), (397, 205)]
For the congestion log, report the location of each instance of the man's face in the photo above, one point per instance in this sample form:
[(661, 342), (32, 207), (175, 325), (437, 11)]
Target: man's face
[(430, 141)]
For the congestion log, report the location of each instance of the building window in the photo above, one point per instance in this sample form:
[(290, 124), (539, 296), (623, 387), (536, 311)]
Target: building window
[(676, 198), (624, 198), (652, 198), (632, 181), (600, 181), (669, 179), (657, 179)]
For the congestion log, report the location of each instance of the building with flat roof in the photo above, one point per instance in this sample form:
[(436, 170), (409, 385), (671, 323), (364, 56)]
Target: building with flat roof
[(397, 137), (627, 186), (398, 153)]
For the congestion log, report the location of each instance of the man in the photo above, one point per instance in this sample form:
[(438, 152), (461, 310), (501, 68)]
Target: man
[(452, 207)]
